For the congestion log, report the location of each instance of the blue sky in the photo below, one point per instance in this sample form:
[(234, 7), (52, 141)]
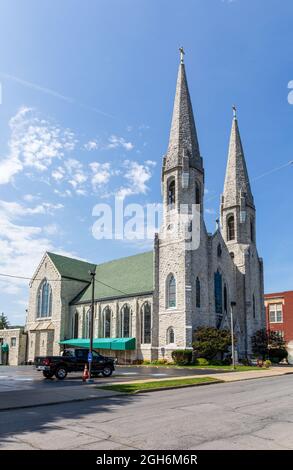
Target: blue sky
[(87, 96)]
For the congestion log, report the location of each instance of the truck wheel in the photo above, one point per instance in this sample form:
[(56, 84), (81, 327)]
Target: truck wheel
[(47, 374), (61, 373), (107, 371)]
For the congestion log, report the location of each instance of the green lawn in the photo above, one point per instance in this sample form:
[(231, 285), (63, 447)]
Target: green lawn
[(158, 384)]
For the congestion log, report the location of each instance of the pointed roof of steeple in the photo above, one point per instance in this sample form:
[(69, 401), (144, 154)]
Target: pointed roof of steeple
[(236, 179), (183, 136)]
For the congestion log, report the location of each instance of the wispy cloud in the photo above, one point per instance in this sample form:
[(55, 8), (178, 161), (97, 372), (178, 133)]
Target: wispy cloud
[(34, 144), (55, 94)]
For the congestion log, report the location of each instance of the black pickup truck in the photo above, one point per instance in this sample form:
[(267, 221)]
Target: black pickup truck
[(74, 360)]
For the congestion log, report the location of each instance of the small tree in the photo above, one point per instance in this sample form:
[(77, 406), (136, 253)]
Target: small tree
[(265, 342), (209, 341), (4, 323)]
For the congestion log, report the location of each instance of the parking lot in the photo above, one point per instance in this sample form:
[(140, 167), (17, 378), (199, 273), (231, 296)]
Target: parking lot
[(26, 377)]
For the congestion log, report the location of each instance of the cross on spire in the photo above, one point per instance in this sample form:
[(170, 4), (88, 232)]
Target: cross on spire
[(181, 55), (234, 112)]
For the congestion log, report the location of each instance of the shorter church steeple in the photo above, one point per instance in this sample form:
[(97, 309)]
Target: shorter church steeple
[(237, 183), (237, 205)]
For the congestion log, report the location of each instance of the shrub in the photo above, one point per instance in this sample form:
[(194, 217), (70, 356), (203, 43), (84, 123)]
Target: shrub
[(209, 341), (182, 357), (146, 362), (201, 361), (159, 362), (277, 354), (216, 362), (267, 364)]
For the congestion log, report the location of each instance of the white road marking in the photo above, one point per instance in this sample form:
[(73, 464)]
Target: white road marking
[(159, 375), (128, 373)]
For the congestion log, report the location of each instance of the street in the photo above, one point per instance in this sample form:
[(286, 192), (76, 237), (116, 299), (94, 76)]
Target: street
[(252, 414), (27, 377)]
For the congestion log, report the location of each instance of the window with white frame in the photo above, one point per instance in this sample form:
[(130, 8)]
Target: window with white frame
[(13, 342), (280, 333), (170, 335), (44, 300), (171, 291), (276, 313)]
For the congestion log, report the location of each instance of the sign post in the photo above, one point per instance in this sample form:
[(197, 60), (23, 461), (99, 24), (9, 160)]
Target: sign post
[(90, 354)]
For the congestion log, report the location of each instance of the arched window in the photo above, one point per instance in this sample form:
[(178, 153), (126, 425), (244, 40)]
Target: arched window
[(44, 300), (125, 321), (171, 193), (197, 193), (225, 299), (146, 321), (86, 323), (218, 292), (252, 230), (219, 250), (230, 227), (253, 306), (106, 326), (171, 291), (75, 325), (197, 292), (170, 335)]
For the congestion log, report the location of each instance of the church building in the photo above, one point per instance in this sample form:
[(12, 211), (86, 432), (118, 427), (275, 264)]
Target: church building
[(150, 304)]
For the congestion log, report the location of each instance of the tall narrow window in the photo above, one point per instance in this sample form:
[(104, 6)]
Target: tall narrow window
[(252, 230), (197, 292), (253, 306), (171, 291), (225, 299), (44, 300), (86, 324), (197, 193), (170, 335), (125, 321), (146, 322), (171, 193), (107, 322), (75, 325), (230, 227), (218, 292)]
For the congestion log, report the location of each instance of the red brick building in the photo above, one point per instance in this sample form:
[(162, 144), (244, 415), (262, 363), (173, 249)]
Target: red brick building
[(279, 313)]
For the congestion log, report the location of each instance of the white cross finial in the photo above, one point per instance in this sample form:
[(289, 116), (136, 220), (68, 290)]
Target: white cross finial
[(181, 55)]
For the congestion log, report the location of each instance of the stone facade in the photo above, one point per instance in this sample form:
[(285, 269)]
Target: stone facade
[(16, 340), (221, 268)]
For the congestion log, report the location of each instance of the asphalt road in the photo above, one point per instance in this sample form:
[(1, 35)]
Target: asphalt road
[(253, 414), (26, 377)]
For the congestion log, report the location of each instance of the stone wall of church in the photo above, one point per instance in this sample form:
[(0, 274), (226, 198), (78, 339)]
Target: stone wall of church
[(143, 351), (44, 334)]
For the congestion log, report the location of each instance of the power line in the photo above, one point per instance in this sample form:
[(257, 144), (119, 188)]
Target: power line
[(59, 280)]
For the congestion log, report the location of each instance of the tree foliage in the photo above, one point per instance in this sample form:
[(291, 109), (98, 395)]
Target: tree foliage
[(4, 323), (266, 343), (209, 341)]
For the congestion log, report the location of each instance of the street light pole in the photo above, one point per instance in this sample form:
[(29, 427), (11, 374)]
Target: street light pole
[(232, 334), (92, 274)]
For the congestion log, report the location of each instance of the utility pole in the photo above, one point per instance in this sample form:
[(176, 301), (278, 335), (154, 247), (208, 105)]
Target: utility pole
[(90, 354), (232, 334)]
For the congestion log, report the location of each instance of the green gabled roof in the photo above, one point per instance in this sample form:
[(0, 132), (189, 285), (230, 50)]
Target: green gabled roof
[(72, 268), (122, 277)]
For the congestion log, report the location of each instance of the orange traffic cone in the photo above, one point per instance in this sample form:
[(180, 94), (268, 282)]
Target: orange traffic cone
[(85, 374)]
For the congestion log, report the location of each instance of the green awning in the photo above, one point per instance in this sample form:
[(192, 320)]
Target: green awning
[(116, 344)]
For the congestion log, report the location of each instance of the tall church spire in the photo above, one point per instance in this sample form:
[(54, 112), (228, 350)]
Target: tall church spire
[(183, 137), (237, 184)]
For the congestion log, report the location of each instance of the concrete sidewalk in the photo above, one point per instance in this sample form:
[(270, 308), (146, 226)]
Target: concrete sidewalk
[(17, 399), (224, 377)]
